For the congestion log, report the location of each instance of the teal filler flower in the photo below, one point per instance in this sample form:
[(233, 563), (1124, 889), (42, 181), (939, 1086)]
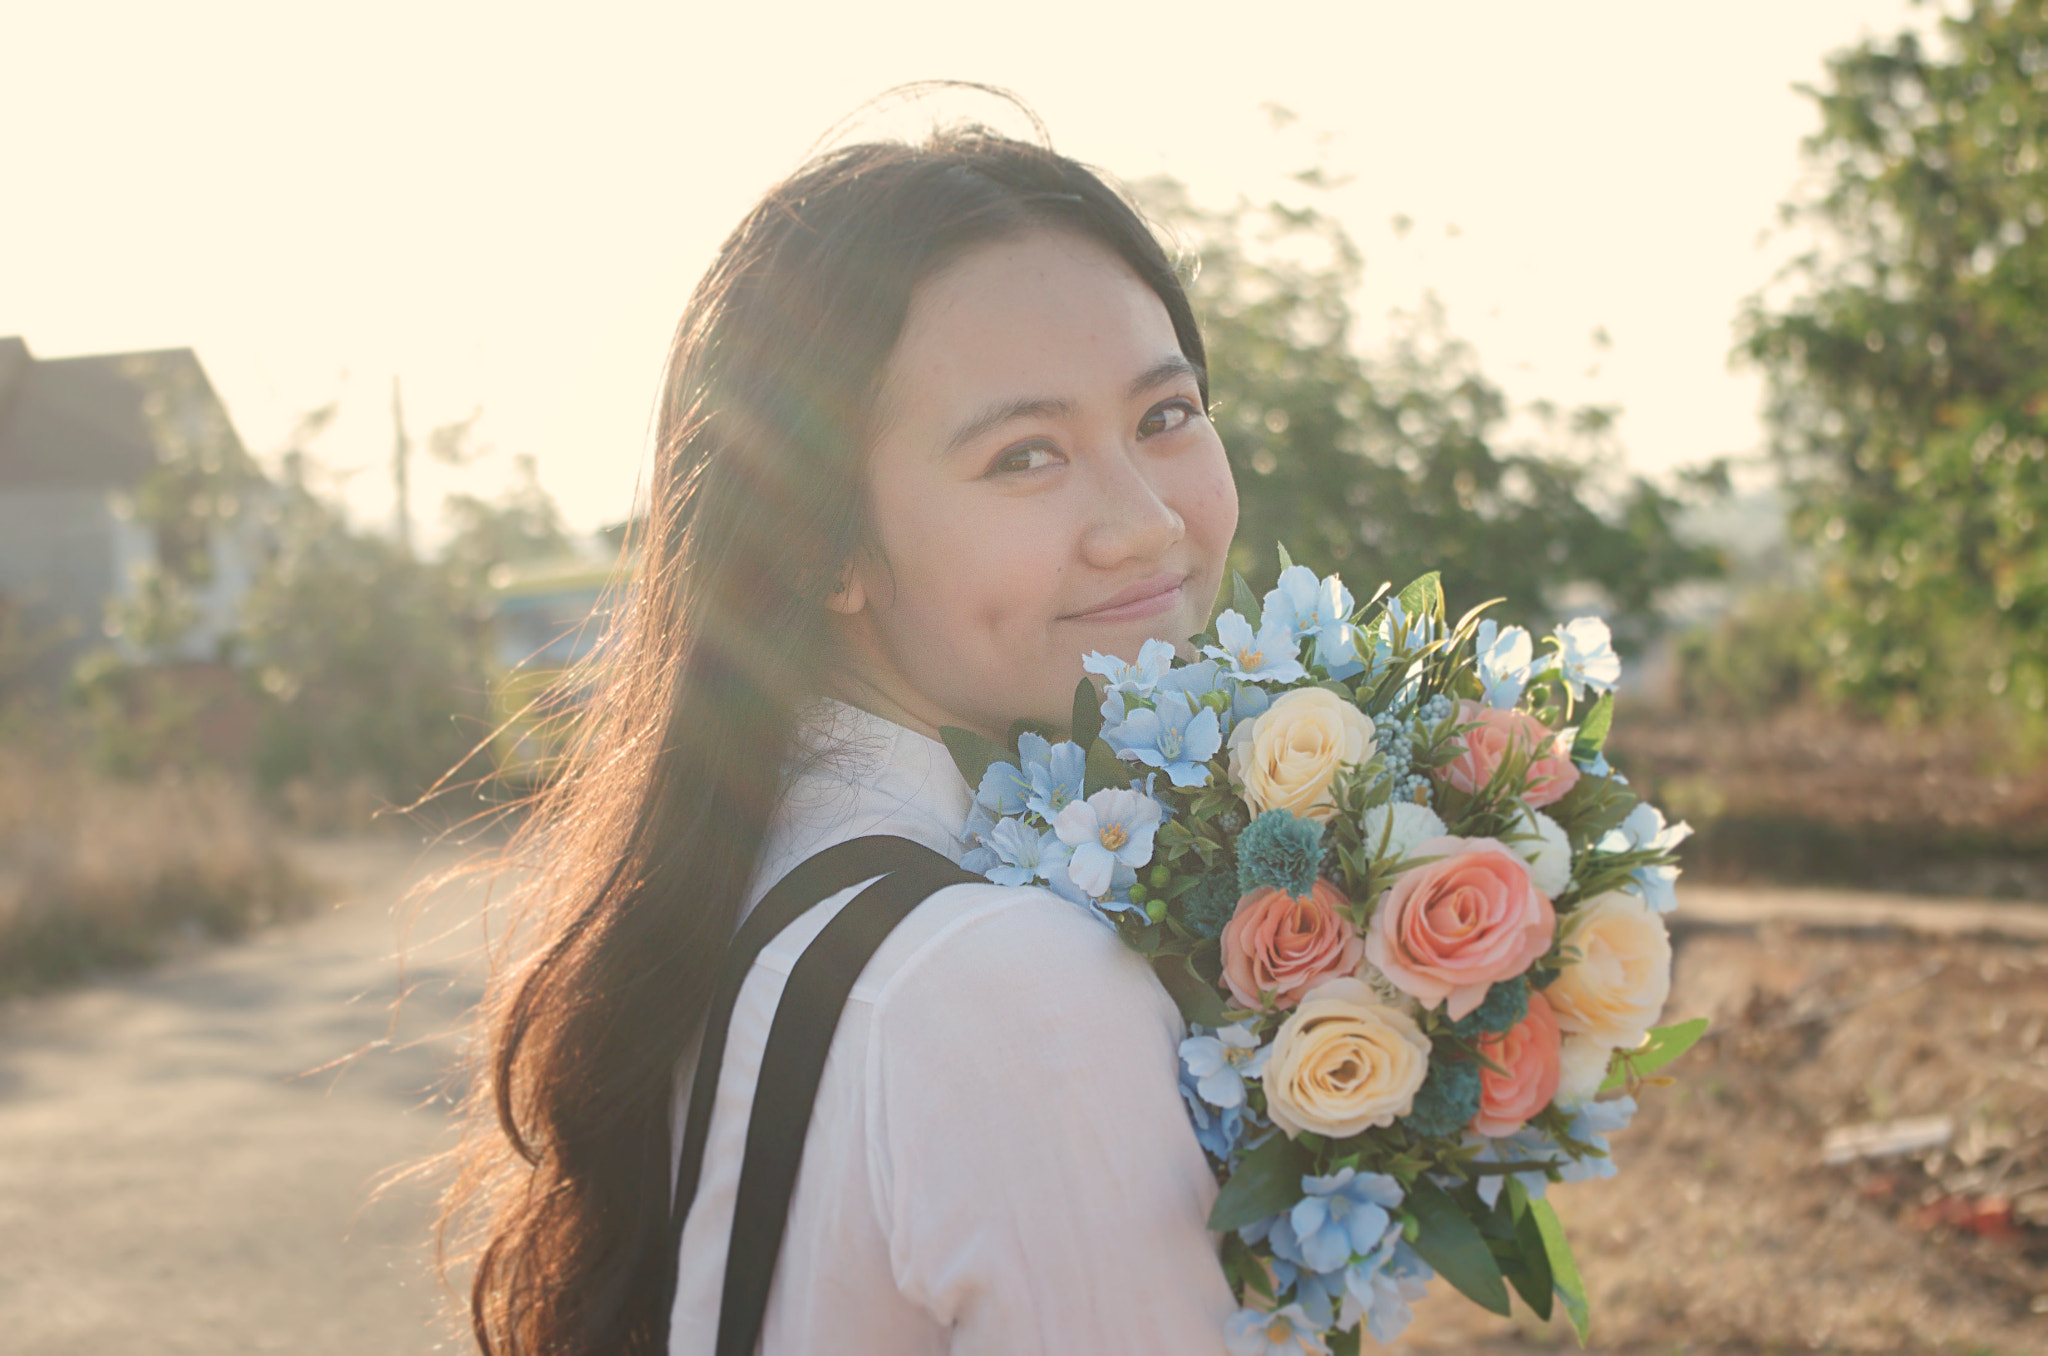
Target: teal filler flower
[(1269, 656), (1175, 737), (1282, 850), (1109, 829)]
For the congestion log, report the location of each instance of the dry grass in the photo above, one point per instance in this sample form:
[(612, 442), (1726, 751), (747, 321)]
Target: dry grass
[(97, 873)]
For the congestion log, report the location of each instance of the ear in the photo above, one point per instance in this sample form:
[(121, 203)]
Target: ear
[(850, 597)]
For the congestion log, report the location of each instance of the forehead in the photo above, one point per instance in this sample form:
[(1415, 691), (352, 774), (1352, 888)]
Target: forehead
[(1047, 314)]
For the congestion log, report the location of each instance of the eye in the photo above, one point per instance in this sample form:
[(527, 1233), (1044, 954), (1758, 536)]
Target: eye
[(1167, 416), (1029, 457)]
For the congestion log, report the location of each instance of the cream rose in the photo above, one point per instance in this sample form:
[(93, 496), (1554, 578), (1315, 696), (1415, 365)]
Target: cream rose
[(1287, 757), (1582, 1068), (1614, 987), (1344, 1062)]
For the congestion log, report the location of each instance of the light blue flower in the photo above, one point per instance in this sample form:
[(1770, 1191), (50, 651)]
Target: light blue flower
[(1402, 633), (1057, 778), (1506, 660), (1318, 1293), (1283, 1332), (1294, 601), (1645, 830), (1343, 1215), (1174, 736), (1248, 701), (1586, 657), (1270, 656), (1027, 854), (1155, 657), (1592, 1125), (1111, 828), (1526, 1145), (1381, 1288), (980, 860), (1004, 789), (1217, 1129), (1320, 608), (1600, 767), (1220, 1063)]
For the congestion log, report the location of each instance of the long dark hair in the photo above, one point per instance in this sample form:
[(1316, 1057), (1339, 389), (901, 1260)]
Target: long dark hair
[(641, 852)]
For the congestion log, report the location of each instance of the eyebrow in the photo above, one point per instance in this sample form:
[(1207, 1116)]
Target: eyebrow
[(1043, 407)]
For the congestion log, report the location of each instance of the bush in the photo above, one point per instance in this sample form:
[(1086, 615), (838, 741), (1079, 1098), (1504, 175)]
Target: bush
[(96, 872)]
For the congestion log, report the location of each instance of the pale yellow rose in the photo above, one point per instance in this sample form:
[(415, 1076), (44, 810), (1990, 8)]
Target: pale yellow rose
[(1582, 1068), (1614, 988), (1286, 758), (1344, 1062)]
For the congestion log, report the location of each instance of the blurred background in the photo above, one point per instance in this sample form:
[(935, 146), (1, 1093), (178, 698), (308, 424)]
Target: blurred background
[(329, 342)]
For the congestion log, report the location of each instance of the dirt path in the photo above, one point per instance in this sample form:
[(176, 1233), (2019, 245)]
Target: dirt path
[(173, 1179)]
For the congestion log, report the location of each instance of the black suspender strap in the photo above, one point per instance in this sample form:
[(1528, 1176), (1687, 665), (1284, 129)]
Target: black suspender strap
[(903, 874)]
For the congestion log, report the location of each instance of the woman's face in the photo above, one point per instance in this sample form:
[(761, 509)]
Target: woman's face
[(1044, 482)]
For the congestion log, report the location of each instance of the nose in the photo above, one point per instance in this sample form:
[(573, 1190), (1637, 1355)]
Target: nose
[(1132, 519)]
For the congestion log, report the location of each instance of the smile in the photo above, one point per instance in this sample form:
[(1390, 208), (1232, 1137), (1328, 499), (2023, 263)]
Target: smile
[(1148, 598)]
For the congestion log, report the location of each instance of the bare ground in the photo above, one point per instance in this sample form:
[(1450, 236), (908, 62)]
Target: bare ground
[(174, 1179)]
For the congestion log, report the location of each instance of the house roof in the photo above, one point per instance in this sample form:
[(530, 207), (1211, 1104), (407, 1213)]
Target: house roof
[(92, 421)]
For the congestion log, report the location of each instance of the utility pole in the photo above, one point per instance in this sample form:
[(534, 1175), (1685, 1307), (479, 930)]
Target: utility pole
[(401, 454)]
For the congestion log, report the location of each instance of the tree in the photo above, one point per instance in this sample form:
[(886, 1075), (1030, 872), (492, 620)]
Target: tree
[(1908, 365), (1388, 465)]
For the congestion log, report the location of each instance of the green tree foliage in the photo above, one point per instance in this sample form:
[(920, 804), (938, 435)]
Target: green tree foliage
[(523, 523), (1907, 357), (1388, 465), (371, 662)]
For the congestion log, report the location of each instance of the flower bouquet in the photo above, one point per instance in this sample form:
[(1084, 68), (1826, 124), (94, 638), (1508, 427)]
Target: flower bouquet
[(1410, 914)]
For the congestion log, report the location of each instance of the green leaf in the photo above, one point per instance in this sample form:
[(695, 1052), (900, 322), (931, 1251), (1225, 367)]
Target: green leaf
[(1086, 722), (1286, 561), (1424, 597), (1244, 600), (1666, 1043), (1197, 999), (1346, 1343), (1451, 1243), (1105, 770), (972, 752), (1267, 1181), (1564, 1268), (1038, 727), (1593, 730), (1531, 1275)]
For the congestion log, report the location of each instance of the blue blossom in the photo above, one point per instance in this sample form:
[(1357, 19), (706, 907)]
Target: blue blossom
[(1403, 633), (1220, 1063), (1004, 789), (1505, 659), (1155, 657), (1056, 779), (1319, 608), (1343, 1215), (1217, 1129), (1526, 1145), (1318, 1293), (1645, 830), (980, 860), (1600, 767), (1174, 736), (1592, 1125), (1026, 854), (1283, 1332), (1381, 1288), (1111, 828), (1270, 656), (1586, 657)]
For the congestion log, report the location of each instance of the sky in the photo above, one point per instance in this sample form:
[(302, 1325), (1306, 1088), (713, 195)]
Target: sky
[(506, 205)]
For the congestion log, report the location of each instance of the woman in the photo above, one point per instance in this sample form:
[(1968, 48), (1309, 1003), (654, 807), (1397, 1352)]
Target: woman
[(934, 428)]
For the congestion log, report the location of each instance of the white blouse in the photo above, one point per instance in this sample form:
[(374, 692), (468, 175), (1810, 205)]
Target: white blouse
[(999, 1159)]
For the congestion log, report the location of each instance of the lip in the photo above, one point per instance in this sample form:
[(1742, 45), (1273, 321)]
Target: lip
[(1146, 598)]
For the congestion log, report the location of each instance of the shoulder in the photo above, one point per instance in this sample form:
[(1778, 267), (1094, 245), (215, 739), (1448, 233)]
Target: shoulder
[(1020, 957)]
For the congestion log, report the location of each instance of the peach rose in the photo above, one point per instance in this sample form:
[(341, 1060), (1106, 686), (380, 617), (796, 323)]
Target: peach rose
[(1613, 989), (1528, 1055), (1551, 771), (1276, 946), (1343, 1062), (1448, 930), (1287, 757)]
